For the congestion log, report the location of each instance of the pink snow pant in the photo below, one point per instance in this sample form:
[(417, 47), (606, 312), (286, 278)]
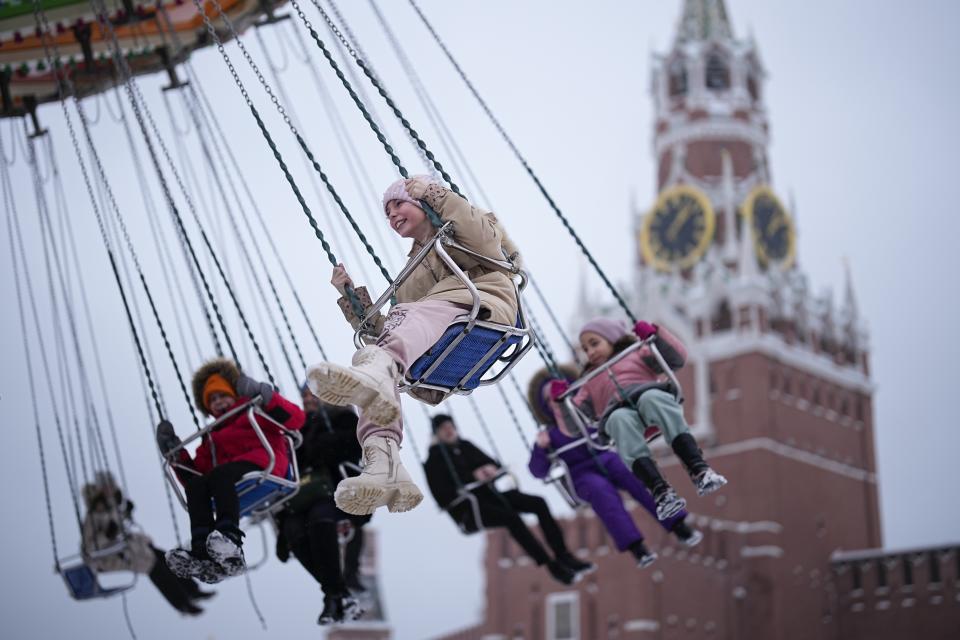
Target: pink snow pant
[(409, 331)]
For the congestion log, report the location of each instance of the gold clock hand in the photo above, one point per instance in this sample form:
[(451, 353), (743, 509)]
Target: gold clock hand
[(774, 225), (678, 222)]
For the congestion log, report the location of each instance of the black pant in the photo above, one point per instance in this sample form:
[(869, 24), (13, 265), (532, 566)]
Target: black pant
[(504, 510), (312, 537), (218, 486)]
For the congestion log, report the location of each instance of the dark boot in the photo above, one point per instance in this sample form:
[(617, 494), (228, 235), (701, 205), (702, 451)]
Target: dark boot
[(689, 453), (706, 479), (575, 564), (667, 500), (686, 534), (562, 573), (339, 608), (644, 556)]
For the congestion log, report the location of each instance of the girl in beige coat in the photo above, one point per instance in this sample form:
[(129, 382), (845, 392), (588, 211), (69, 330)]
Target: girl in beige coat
[(427, 302)]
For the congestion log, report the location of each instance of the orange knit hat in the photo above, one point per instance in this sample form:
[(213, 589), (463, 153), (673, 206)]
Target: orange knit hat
[(216, 383)]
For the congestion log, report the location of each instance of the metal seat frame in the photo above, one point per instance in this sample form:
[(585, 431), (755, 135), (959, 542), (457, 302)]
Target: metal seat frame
[(466, 494), (443, 240), (79, 561), (267, 504), (581, 421)]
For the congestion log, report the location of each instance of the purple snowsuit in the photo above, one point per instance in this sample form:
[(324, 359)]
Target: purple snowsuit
[(602, 490)]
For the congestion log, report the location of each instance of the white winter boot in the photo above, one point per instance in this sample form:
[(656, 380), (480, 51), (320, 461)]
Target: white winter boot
[(383, 482), (371, 384)]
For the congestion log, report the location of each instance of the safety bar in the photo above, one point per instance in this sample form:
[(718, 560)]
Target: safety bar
[(252, 407), (261, 524), (561, 480), (574, 411), (438, 243), (466, 495), (649, 342)]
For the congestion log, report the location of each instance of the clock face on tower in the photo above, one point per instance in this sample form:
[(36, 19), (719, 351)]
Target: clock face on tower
[(773, 232), (678, 230)]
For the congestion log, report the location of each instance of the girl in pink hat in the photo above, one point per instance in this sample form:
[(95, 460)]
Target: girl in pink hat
[(633, 399), (427, 302)]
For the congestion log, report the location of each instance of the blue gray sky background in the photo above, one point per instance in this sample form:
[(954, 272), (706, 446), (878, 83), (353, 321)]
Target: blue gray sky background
[(862, 102)]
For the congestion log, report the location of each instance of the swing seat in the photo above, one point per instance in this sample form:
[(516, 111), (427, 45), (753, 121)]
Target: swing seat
[(471, 352), (463, 355), (651, 433), (260, 493), (83, 584)]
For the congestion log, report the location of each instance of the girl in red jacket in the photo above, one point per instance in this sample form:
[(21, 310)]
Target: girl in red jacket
[(225, 455), (631, 399)]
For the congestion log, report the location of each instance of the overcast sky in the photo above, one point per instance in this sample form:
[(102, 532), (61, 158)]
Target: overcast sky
[(862, 102)]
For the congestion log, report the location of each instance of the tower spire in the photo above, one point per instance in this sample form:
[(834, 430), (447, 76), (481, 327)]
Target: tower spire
[(703, 20), (849, 308)]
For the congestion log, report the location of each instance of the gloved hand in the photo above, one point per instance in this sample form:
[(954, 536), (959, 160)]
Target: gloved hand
[(167, 439), (557, 388), (247, 386), (417, 186), (644, 329)]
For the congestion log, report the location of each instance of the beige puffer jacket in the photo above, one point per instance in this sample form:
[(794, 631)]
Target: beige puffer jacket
[(475, 229)]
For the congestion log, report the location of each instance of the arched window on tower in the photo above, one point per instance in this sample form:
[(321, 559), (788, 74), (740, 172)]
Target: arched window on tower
[(718, 72), (677, 74), (722, 319)]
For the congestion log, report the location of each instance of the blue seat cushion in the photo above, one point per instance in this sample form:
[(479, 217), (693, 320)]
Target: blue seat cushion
[(83, 584), (463, 358), (262, 493)]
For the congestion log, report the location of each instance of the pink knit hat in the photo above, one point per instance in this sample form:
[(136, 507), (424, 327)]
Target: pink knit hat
[(609, 330), (397, 191)]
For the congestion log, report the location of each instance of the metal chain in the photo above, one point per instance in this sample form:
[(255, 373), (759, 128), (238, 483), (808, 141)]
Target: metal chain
[(203, 107), (484, 426), (376, 84), (15, 232), (197, 123), (65, 82), (7, 194), (376, 222), (140, 109), (513, 415), (516, 152), (68, 235), (55, 272), (164, 254), (303, 144), (211, 30), (356, 80)]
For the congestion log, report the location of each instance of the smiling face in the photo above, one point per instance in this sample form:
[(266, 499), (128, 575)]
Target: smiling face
[(219, 403), (408, 220), (597, 348)]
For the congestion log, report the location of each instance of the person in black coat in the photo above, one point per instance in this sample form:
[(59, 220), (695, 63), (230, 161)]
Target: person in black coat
[(307, 527), (454, 463)]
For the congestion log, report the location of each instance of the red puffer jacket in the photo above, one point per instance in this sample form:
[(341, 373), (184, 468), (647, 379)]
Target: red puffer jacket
[(236, 440)]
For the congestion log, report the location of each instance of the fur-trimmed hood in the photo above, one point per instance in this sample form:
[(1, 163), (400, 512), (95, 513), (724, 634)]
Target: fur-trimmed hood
[(223, 366), (535, 388)]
